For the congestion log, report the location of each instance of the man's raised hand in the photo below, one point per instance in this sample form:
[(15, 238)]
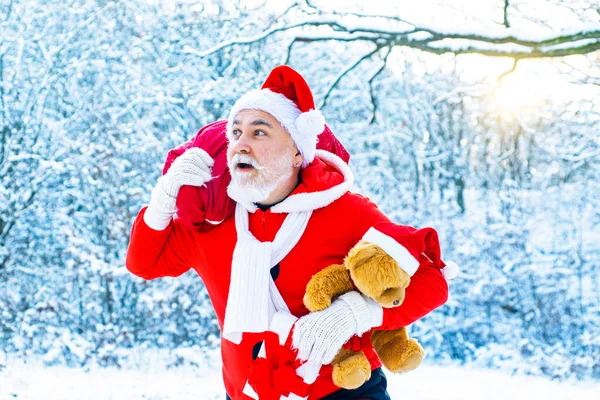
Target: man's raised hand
[(194, 168)]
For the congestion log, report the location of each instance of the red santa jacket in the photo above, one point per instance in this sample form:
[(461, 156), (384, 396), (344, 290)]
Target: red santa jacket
[(339, 220)]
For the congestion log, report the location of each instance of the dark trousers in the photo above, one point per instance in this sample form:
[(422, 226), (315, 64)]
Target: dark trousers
[(373, 389)]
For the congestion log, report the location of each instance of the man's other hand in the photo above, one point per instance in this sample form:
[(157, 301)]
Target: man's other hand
[(320, 335)]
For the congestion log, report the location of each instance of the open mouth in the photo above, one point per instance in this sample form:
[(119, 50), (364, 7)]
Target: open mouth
[(245, 167)]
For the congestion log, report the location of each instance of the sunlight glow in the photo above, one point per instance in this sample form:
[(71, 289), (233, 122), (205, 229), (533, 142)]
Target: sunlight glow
[(519, 90)]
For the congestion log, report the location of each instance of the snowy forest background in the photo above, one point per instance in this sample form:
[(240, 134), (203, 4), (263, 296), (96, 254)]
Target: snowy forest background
[(93, 93)]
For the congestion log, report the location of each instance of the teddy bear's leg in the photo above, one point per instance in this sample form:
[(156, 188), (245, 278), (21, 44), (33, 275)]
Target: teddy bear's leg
[(325, 285), (397, 351), (350, 369)]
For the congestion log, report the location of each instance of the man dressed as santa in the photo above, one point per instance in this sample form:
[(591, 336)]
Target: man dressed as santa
[(294, 216)]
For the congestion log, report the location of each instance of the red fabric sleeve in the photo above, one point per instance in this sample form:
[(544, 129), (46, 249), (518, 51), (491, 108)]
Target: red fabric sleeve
[(368, 216), (427, 291), (155, 254), (428, 288)]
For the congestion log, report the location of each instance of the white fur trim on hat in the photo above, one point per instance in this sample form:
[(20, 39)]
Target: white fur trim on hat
[(304, 128), (399, 253), (310, 124)]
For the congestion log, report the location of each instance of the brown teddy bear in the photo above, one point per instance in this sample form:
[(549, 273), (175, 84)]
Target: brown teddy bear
[(377, 275)]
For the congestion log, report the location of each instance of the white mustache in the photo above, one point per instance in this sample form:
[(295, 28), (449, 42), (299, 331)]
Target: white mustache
[(246, 159)]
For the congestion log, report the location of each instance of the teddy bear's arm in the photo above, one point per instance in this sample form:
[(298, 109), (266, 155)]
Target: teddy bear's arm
[(325, 286)]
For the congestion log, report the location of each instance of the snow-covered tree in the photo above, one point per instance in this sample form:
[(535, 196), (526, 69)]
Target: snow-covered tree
[(93, 95)]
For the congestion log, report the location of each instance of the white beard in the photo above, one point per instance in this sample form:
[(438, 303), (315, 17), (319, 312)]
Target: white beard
[(268, 178), (249, 194)]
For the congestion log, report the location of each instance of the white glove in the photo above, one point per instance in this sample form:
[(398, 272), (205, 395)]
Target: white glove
[(192, 168), (320, 335)]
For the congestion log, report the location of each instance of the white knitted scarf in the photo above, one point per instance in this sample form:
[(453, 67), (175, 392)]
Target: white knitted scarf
[(253, 297)]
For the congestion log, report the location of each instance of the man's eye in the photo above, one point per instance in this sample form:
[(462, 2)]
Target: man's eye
[(260, 133), (236, 132)]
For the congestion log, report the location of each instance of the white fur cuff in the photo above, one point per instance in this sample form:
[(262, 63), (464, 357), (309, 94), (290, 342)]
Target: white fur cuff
[(160, 211)]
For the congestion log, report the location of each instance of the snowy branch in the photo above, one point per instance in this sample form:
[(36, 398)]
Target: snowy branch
[(504, 42), (392, 31), (344, 72)]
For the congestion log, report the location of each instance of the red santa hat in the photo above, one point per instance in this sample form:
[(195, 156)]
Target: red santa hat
[(286, 96), (405, 244)]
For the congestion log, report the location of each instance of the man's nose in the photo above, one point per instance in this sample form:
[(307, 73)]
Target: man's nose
[(242, 144)]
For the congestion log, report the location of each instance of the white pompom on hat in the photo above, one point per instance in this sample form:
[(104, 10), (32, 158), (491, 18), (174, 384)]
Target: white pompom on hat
[(451, 270), (286, 96), (405, 244)]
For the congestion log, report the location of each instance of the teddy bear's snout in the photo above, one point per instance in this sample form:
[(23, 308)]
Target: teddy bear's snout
[(390, 297)]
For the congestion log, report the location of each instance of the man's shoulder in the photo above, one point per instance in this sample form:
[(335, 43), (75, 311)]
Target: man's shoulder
[(354, 211), (352, 200)]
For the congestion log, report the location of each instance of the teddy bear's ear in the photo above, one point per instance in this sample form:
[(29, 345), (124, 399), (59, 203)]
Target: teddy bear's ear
[(360, 254)]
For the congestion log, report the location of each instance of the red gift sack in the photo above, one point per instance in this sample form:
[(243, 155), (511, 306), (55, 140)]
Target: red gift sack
[(201, 208)]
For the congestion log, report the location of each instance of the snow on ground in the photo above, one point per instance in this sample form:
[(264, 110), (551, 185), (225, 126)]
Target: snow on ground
[(32, 380)]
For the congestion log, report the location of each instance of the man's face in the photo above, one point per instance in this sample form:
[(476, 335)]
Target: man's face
[(261, 153)]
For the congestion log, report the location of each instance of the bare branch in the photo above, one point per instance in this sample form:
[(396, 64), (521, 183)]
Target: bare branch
[(289, 52), (261, 36), (505, 42), (287, 10), (309, 3), (343, 73), (475, 45), (504, 74), (371, 89), (506, 24)]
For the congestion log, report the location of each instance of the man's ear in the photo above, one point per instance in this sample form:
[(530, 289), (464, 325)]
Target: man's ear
[(298, 159)]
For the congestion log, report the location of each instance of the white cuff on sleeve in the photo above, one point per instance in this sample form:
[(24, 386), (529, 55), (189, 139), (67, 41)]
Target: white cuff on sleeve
[(366, 311), (160, 211), (156, 219), (376, 311)]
